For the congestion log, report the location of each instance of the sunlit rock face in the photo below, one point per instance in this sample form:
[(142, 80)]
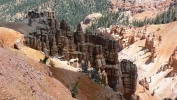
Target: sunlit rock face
[(173, 62), (138, 6), (129, 77), (92, 50)]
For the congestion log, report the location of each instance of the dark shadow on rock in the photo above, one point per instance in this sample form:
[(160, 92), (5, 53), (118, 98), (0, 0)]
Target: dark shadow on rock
[(142, 48), (20, 26), (170, 74), (148, 61)]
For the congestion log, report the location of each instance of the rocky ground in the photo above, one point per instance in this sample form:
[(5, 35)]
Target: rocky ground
[(155, 65), (147, 8), (163, 85), (68, 75), (26, 78), (11, 37), (23, 77), (19, 80)]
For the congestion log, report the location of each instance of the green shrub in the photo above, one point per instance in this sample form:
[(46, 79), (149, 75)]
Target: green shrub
[(44, 60), (166, 17), (74, 90), (73, 11)]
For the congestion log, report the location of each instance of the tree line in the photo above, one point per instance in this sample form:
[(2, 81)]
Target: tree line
[(108, 19), (166, 17), (73, 11)]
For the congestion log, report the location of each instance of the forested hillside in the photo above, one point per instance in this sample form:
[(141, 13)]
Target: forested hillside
[(166, 17), (110, 18), (73, 11)]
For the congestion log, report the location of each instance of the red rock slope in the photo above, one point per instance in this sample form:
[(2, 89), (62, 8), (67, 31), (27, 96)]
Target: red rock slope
[(20, 80), (159, 82), (11, 37), (26, 79), (67, 75), (23, 77)]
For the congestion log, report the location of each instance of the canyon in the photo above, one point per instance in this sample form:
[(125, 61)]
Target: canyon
[(114, 63)]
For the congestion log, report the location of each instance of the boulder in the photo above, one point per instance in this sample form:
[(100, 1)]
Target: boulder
[(18, 45), (11, 38)]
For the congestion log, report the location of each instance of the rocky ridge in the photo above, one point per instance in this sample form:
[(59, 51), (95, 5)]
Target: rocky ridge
[(156, 68), (143, 46), (55, 38), (148, 8)]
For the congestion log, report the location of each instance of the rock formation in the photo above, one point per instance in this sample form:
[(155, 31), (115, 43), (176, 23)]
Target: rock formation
[(39, 46), (138, 6), (92, 50), (54, 49), (129, 77), (123, 35), (104, 79), (173, 62), (152, 44), (144, 83), (91, 18)]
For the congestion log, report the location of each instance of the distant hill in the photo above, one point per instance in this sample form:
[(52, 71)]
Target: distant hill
[(73, 11)]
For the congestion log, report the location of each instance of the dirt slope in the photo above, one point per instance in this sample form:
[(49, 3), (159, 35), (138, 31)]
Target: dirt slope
[(23, 77), (88, 89), (142, 8), (164, 87), (10, 37), (20, 80), (68, 75)]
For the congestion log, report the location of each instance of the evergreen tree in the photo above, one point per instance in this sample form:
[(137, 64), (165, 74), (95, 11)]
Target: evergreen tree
[(166, 17)]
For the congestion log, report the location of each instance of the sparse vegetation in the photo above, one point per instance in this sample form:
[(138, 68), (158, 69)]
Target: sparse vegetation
[(108, 19), (74, 90), (73, 11), (153, 93), (44, 60), (169, 16)]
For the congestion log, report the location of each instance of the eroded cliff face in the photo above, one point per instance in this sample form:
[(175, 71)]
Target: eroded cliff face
[(152, 49), (129, 78), (138, 6), (172, 63), (126, 36), (99, 52), (146, 47), (91, 18), (94, 49), (156, 68), (141, 9), (23, 77)]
